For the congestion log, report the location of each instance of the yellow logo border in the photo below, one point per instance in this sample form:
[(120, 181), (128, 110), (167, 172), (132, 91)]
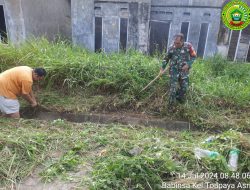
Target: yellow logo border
[(227, 11)]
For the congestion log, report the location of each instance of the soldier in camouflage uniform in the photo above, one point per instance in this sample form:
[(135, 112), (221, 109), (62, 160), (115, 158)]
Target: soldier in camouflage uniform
[(181, 56)]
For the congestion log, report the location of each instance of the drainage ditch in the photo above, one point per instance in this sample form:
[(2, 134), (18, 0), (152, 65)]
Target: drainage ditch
[(120, 118)]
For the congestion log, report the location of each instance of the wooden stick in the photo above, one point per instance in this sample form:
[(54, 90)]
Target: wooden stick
[(151, 82)]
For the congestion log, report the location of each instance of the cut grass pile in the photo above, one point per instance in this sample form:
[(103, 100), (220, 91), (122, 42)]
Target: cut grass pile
[(121, 157)]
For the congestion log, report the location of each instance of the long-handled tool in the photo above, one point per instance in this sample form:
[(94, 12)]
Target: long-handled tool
[(151, 82)]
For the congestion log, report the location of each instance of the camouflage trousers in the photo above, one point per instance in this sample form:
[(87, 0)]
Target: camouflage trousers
[(178, 86)]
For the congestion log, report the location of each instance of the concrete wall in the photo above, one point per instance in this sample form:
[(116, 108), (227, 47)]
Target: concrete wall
[(243, 44), (14, 20), (139, 13), (193, 11), (83, 17), (143, 25), (83, 23), (47, 18), (224, 39), (203, 3), (26, 18), (111, 23)]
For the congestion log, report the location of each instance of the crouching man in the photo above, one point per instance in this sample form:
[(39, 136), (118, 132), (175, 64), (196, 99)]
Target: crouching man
[(17, 82)]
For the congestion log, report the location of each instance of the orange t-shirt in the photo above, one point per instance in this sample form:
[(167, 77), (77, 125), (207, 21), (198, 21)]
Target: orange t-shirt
[(15, 82)]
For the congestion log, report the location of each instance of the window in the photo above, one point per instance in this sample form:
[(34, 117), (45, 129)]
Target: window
[(206, 14), (159, 33), (184, 30), (186, 14), (3, 31), (235, 34), (98, 34), (123, 33), (248, 54), (202, 40)]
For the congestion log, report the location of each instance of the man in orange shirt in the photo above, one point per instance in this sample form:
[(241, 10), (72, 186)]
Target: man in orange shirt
[(17, 82)]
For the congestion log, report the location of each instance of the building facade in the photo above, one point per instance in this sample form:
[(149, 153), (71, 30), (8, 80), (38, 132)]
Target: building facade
[(23, 19), (117, 25)]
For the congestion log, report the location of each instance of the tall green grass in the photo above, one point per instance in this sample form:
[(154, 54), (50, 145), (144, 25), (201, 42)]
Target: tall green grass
[(216, 86), (72, 67), (218, 78)]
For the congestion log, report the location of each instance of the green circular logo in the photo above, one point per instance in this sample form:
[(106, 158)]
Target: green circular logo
[(236, 15)]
